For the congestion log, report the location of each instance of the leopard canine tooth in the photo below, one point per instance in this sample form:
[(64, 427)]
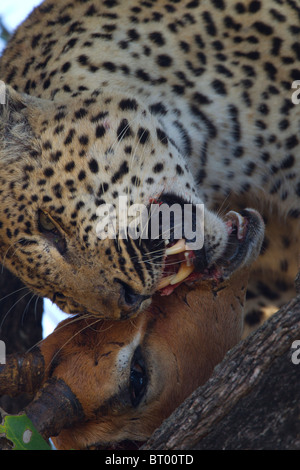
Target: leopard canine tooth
[(179, 247), (165, 281), (184, 272)]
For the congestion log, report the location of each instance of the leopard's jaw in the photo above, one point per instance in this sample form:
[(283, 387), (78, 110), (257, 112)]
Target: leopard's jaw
[(185, 95)]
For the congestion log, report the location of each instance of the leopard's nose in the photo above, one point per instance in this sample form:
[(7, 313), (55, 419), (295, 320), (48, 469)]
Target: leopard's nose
[(130, 301)]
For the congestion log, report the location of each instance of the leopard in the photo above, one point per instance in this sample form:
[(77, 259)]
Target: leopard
[(185, 102)]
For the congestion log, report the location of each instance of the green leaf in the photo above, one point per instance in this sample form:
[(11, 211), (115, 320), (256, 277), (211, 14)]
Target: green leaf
[(21, 431)]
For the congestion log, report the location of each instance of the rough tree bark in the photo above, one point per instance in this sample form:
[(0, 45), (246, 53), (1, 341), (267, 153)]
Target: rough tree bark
[(252, 399), (20, 325)]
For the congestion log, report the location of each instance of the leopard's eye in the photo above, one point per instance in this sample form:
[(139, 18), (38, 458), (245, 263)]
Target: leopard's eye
[(46, 223), (52, 231)]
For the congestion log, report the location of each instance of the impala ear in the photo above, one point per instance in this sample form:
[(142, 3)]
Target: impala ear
[(18, 112)]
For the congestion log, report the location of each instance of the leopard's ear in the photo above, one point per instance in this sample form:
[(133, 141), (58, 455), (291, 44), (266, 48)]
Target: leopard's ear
[(12, 104), (17, 115)]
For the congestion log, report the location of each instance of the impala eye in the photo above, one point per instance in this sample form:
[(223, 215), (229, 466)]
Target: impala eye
[(138, 378), (52, 231)]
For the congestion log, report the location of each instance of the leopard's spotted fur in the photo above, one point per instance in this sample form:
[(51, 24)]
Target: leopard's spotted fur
[(143, 98)]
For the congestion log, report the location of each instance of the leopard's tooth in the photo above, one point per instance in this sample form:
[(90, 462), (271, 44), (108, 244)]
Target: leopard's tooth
[(165, 281), (179, 247), (183, 273)]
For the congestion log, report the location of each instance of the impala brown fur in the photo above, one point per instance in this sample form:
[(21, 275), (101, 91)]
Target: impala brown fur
[(179, 340)]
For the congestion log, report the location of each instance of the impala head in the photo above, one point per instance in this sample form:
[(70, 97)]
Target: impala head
[(106, 382)]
